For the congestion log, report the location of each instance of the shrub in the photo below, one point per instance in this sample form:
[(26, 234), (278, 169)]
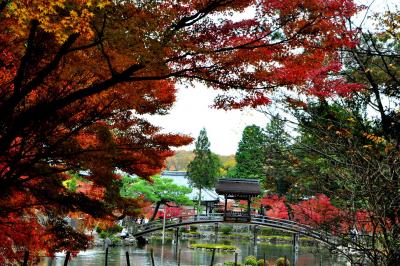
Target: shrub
[(115, 240), (114, 229), (260, 262), (193, 228), (282, 262), (103, 234), (271, 231), (250, 260), (226, 230)]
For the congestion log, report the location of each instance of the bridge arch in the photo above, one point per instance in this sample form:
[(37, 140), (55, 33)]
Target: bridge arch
[(259, 220)]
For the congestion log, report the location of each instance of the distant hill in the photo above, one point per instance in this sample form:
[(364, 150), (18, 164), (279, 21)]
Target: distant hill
[(181, 159)]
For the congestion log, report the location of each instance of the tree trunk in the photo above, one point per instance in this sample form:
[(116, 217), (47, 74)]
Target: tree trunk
[(289, 210), (155, 211)]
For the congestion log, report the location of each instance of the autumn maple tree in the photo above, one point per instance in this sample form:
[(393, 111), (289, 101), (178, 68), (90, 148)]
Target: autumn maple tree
[(76, 78)]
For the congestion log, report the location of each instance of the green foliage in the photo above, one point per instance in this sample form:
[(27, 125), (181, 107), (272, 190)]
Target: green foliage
[(162, 189), (261, 262), (109, 232), (103, 234), (272, 232), (226, 230), (114, 229), (250, 156), (228, 166), (213, 246), (203, 170), (193, 228), (282, 262), (250, 261), (72, 183), (232, 263), (115, 240), (278, 162)]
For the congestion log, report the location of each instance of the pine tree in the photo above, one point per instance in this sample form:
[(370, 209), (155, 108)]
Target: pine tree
[(277, 165), (203, 170), (250, 156)]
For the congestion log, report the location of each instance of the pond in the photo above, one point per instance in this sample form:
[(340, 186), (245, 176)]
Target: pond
[(166, 255)]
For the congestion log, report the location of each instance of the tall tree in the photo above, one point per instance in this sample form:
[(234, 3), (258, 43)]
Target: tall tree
[(353, 165), (277, 162), (250, 156), (204, 169), (76, 78)]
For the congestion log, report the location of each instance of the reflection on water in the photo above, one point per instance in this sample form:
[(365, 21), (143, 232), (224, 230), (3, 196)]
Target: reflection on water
[(167, 255)]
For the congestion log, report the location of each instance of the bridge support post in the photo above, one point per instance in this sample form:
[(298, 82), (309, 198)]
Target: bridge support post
[(176, 236), (176, 241), (254, 234), (216, 232), (296, 247)]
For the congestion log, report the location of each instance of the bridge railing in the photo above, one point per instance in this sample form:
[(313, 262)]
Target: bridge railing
[(282, 224), (290, 225), (179, 220)]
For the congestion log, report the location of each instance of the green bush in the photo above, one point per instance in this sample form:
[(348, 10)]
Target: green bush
[(282, 262), (115, 240), (232, 263), (226, 230), (184, 230), (114, 229), (103, 234), (193, 228), (270, 231), (260, 262), (250, 260), (109, 231)]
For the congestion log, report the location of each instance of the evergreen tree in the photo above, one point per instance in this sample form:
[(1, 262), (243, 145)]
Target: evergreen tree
[(250, 156), (203, 170), (161, 191), (278, 166)]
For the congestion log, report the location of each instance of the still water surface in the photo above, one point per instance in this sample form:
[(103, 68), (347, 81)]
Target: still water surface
[(166, 255)]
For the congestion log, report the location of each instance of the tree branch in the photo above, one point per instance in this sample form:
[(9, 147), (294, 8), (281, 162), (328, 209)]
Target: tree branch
[(25, 59)]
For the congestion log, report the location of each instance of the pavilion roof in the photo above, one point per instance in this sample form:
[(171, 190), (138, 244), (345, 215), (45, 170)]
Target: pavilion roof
[(238, 186)]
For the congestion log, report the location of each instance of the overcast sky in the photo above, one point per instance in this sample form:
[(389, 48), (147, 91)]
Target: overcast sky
[(192, 112)]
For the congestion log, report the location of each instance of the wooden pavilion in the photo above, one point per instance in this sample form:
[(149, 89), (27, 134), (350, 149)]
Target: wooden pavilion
[(238, 189)]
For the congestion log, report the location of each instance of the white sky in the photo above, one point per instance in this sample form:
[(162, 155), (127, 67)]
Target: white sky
[(191, 111)]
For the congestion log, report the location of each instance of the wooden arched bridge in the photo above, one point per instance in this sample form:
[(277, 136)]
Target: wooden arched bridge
[(236, 189), (258, 220)]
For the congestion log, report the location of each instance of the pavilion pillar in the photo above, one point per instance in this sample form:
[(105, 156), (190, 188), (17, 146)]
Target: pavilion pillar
[(248, 207), (226, 205), (216, 232), (176, 236)]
